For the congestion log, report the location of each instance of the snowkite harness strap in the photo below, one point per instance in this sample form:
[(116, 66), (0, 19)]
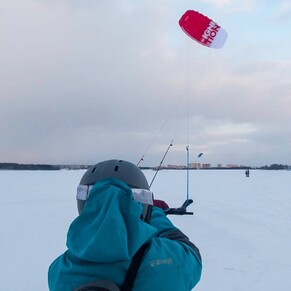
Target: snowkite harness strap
[(133, 269), (136, 260)]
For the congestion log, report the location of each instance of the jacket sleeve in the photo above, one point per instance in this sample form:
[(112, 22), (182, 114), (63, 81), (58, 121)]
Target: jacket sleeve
[(179, 236), (168, 231), (172, 255)]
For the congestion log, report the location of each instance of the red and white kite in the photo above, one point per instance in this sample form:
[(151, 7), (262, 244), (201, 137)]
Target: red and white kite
[(202, 29)]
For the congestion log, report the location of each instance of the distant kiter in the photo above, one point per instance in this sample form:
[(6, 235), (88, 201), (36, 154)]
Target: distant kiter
[(247, 172)]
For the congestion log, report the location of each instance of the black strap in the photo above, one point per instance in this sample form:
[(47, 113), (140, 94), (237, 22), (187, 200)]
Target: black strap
[(130, 275), (136, 260), (133, 268), (148, 214)]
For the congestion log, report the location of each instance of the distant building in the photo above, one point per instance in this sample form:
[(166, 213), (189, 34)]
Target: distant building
[(231, 166), (219, 165), (206, 166), (195, 165), (175, 167)]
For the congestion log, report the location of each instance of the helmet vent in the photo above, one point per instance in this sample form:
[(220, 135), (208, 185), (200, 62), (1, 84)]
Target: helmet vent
[(116, 168), (93, 170)]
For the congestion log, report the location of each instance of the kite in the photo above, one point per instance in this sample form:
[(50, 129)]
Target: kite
[(200, 155), (202, 29)]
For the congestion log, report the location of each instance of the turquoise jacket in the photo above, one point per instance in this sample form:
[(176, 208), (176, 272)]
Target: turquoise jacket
[(103, 239)]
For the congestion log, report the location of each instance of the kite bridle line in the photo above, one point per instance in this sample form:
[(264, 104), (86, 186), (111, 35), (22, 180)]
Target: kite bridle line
[(198, 79), (170, 115), (186, 94), (188, 126), (159, 167)]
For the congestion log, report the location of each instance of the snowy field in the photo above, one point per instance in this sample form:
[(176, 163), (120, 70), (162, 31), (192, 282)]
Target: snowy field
[(241, 225)]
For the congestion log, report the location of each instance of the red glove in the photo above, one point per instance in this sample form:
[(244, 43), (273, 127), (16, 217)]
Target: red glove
[(161, 203)]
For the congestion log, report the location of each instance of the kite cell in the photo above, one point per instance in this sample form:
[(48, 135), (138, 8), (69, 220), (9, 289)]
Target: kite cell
[(202, 29)]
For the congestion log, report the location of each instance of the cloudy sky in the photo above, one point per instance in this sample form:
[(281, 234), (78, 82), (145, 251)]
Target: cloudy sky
[(87, 80)]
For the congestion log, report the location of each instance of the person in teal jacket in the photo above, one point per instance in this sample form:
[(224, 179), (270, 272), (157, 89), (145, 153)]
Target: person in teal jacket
[(116, 218)]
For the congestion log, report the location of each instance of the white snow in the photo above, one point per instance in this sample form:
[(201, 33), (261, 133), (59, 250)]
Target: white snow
[(241, 225)]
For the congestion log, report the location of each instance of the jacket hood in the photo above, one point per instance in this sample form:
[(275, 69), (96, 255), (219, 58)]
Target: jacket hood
[(109, 228)]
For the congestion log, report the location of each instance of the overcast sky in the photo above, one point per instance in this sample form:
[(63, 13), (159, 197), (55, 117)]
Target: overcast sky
[(88, 80)]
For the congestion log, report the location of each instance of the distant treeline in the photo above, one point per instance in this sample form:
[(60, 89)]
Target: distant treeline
[(16, 166), (276, 167), (271, 167), (31, 167)]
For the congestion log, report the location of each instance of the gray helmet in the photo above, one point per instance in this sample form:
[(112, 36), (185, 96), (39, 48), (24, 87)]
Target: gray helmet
[(122, 170)]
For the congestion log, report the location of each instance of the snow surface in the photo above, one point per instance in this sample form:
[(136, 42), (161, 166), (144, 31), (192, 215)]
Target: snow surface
[(241, 225)]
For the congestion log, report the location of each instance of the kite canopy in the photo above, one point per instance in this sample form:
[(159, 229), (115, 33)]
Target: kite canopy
[(202, 29)]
